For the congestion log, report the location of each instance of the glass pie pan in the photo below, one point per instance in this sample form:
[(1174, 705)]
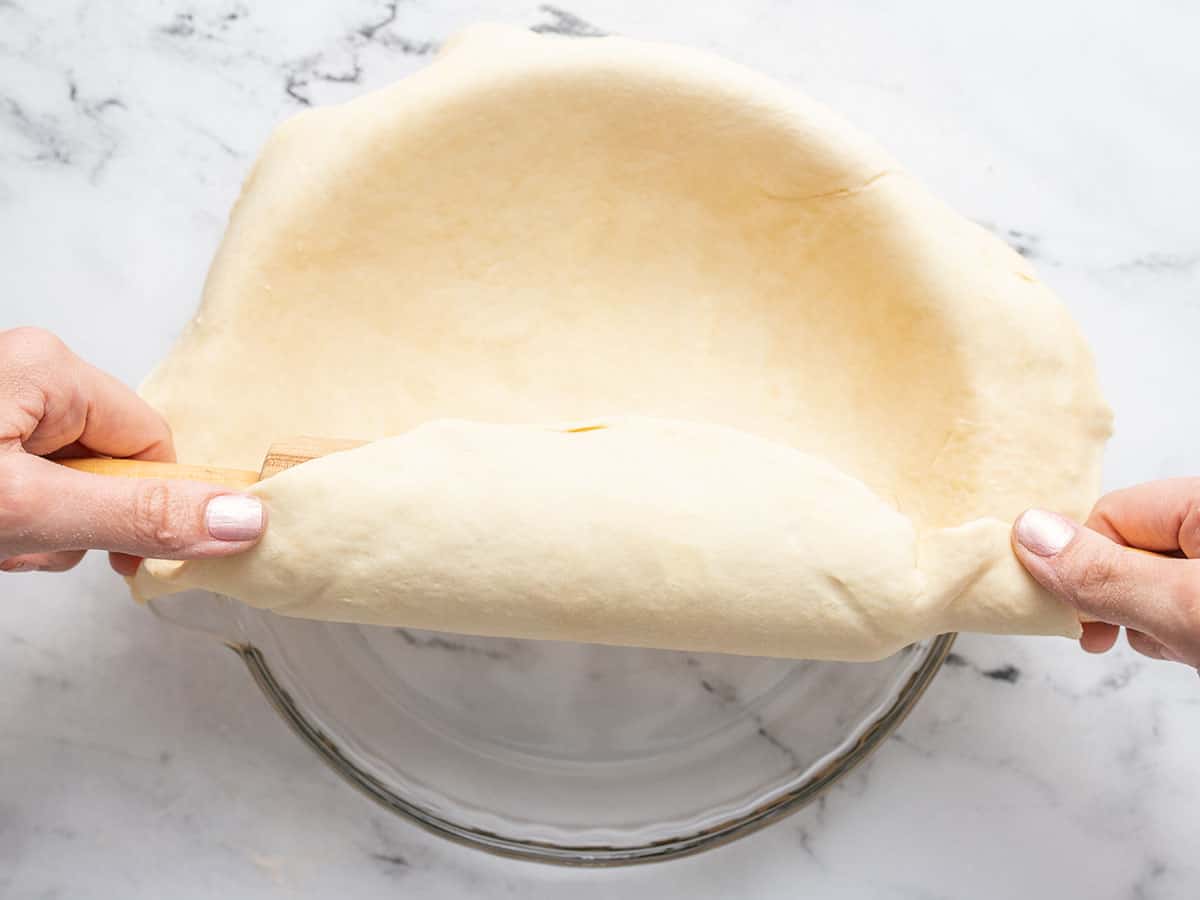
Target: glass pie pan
[(566, 753)]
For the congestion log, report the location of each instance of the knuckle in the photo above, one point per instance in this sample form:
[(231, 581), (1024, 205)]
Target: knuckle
[(1105, 502), (1097, 578), (1104, 508), (155, 522), (32, 346), (1185, 598), (16, 497), (1189, 530)]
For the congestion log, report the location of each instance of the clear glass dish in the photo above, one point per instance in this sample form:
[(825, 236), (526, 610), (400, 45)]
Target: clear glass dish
[(567, 753)]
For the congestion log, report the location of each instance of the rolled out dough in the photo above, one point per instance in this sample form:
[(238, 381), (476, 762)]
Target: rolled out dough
[(831, 393), (646, 532)]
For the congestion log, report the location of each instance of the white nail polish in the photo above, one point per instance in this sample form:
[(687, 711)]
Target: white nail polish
[(1044, 533), (234, 517)]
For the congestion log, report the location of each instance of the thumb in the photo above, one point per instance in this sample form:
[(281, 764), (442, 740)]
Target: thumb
[(48, 507), (1104, 580)]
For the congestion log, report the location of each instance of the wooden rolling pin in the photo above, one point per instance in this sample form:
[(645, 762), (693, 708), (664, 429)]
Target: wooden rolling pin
[(280, 456)]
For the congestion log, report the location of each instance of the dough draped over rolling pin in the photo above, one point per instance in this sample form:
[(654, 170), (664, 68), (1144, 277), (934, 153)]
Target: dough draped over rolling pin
[(645, 532), (831, 393)]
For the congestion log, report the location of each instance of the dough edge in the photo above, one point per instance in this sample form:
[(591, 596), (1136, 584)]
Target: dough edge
[(436, 549)]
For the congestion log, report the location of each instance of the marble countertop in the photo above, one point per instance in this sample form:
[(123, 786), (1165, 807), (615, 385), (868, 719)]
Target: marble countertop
[(140, 761)]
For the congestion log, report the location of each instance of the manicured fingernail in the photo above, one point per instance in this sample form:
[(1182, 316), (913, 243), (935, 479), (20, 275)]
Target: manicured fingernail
[(1044, 533), (234, 517)]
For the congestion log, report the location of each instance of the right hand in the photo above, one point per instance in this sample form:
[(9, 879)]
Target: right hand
[(1096, 567)]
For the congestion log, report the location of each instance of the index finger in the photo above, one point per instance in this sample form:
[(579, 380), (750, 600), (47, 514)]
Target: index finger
[(1163, 516)]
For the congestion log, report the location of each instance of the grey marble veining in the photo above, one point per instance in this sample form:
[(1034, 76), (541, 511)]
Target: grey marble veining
[(140, 761)]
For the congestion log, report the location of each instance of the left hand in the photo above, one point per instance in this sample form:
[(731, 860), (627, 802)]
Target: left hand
[(52, 403)]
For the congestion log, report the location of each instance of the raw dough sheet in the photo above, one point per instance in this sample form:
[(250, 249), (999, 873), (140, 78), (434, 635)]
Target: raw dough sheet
[(826, 394)]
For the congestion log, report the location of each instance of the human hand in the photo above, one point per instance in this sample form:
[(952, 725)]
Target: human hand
[(1098, 570), (52, 403)]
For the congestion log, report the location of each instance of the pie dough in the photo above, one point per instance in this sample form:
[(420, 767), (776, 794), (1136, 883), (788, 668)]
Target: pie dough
[(824, 394)]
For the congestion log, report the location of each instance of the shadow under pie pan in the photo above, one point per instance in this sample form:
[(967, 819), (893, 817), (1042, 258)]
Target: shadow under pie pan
[(562, 753)]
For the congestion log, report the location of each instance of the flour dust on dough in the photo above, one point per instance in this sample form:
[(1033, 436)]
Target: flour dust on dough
[(539, 230)]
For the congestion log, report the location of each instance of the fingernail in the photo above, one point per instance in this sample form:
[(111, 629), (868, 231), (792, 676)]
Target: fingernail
[(1044, 533), (15, 565), (234, 517)]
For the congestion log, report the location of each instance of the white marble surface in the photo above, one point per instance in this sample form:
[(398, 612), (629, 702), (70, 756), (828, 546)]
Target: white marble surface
[(139, 761)]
